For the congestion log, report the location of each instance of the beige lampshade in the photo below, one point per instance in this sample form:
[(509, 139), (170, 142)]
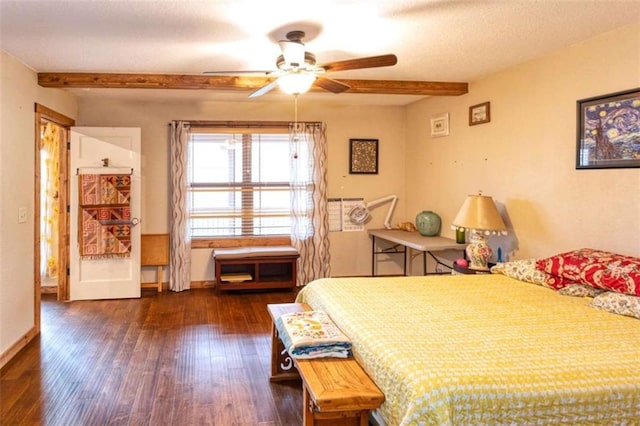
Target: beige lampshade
[(479, 212)]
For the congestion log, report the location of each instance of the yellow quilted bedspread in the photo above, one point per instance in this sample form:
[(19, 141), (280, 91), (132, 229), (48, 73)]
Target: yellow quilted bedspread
[(486, 349)]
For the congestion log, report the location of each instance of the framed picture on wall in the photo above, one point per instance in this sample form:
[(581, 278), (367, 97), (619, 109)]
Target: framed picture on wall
[(440, 125), (480, 114), (608, 131), (363, 156)]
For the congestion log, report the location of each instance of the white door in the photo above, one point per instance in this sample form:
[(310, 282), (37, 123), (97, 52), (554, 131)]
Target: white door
[(95, 151)]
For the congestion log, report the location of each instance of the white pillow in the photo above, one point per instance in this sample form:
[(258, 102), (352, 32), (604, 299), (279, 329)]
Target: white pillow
[(523, 270), (618, 303)]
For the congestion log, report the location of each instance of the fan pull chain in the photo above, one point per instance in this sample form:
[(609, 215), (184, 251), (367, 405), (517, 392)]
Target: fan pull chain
[(296, 138)]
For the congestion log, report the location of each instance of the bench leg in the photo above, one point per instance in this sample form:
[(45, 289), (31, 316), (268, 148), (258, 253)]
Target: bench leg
[(159, 278), (308, 408), (282, 367), (154, 285), (312, 417)]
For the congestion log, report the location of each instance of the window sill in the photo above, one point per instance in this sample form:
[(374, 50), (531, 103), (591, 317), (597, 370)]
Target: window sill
[(283, 240)]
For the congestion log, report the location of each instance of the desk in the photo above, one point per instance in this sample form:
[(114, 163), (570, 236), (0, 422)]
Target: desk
[(411, 240)]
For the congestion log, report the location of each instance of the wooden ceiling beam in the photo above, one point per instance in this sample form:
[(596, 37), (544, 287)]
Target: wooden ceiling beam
[(218, 82), (148, 81), (406, 87)]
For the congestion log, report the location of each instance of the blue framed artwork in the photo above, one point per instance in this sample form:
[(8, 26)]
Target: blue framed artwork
[(608, 131)]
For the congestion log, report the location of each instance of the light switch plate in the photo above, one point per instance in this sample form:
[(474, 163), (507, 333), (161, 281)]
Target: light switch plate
[(22, 215)]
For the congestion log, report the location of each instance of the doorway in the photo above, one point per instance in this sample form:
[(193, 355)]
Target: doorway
[(51, 233)]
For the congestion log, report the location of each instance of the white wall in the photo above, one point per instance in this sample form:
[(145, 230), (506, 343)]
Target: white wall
[(19, 92), (350, 251), (525, 157)]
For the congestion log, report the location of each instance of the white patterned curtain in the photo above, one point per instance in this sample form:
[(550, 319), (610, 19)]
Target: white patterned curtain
[(50, 212), (180, 258), (310, 222)]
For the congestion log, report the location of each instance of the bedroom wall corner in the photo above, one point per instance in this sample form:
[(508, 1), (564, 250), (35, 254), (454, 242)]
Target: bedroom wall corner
[(19, 92), (525, 157)]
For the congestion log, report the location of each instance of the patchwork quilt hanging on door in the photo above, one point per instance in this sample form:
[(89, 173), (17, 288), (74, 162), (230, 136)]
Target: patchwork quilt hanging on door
[(104, 224)]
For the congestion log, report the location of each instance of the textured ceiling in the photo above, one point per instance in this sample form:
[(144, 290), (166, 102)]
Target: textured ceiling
[(435, 40)]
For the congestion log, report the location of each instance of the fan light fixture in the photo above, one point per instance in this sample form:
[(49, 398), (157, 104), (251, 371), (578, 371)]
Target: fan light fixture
[(297, 69), (296, 83)]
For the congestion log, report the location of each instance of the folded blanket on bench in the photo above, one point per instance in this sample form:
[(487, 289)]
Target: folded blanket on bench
[(312, 334)]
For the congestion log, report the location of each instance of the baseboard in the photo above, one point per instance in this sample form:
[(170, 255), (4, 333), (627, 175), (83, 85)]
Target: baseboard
[(7, 355), (49, 289), (194, 284), (203, 284)]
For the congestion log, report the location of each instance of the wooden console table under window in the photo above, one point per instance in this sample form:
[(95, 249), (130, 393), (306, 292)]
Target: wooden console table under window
[(405, 240)]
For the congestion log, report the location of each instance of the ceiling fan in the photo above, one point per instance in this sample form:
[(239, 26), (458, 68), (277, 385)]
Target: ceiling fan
[(297, 70)]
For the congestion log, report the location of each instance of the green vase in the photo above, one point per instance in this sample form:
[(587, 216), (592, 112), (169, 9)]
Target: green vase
[(428, 223)]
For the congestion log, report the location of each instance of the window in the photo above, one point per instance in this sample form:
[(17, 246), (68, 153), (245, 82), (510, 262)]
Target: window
[(239, 182)]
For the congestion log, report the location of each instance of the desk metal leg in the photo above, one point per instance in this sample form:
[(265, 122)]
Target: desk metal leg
[(424, 263), (404, 263), (438, 263), (392, 250), (373, 255)]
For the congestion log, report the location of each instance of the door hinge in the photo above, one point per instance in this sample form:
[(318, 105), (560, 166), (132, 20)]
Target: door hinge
[(68, 145), (68, 271), (68, 208)]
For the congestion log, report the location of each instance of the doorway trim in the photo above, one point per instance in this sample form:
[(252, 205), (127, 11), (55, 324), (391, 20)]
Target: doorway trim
[(44, 114)]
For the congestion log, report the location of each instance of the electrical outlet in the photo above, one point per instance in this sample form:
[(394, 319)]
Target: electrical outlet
[(22, 215)]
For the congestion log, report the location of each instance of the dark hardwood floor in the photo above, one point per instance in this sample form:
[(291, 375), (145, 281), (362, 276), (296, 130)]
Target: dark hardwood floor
[(189, 358)]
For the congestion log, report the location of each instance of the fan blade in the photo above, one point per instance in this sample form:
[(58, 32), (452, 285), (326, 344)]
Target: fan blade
[(293, 52), (265, 72), (330, 85), (354, 64), (264, 89)]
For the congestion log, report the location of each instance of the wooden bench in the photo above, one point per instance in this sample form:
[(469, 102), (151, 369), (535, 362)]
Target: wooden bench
[(255, 268), (336, 391)]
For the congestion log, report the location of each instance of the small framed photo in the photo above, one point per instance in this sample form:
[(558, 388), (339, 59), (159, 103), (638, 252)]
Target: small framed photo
[(363, 156), (608, 131), (479, 114), (440, 125)]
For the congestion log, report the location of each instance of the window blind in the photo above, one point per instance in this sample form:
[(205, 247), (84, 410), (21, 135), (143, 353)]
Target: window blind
[(239, 182)]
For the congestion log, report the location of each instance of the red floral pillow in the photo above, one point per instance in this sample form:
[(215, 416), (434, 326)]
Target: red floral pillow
[(557, 282), (597, 268)]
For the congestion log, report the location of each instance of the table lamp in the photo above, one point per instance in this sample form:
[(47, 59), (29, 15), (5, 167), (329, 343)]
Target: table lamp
[(479, 215)]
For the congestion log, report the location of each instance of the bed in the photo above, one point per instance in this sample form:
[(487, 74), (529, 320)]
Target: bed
[(485, 349)]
